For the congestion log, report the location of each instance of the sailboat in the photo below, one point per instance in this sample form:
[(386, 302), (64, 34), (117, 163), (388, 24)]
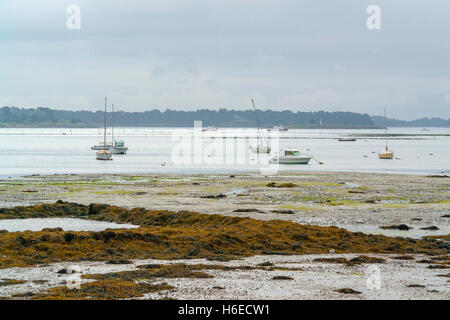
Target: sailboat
[(118, 146), (260, 148), (104, 154), (386, 154)]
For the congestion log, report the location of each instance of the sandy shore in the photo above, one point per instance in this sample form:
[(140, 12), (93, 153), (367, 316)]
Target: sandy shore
[(354, 201)]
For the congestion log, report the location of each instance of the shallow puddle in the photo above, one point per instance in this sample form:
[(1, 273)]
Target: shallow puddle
[(415, 233), (67, 224)]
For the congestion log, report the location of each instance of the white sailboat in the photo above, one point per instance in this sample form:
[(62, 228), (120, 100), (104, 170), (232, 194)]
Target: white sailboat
[(260, 147), (386, 154), (104, 154)]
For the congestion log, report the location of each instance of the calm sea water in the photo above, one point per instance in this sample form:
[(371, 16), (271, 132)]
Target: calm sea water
[(151, 150)]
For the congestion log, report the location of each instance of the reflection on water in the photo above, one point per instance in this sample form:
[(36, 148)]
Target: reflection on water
[(28, 151), (67, 224)]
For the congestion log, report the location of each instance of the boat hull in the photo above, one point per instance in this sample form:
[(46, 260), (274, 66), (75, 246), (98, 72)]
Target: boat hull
[(290, 160), (386, 155), (102, 147), (260, 149), (103, 155), (116, 150)]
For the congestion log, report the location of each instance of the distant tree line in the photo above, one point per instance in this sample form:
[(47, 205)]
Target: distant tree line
[(45, 117), (423, 122)]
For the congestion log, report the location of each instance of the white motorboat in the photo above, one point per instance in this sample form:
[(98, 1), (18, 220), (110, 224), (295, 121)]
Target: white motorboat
[(291, 156), (119, 147)]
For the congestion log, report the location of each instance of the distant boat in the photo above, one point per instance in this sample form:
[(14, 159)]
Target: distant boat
[(211, 128), (425, 129), (104, 154), (261, 147), (291, 156), (114, 147), (278, 128), (118, 145), (346, 139), (386, 154)]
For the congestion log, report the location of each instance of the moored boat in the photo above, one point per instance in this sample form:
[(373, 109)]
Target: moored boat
[(278, 128), (119, 147), (261, 147), (386, 154), (291, 156), (104, 154)]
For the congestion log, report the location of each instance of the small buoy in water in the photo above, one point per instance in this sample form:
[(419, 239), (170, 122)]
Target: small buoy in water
[(431, 154)]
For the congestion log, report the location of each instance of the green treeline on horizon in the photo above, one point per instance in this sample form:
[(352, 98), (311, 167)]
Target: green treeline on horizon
[(46, 117)]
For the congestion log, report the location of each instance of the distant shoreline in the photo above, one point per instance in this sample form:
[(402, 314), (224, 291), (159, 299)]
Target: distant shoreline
[(46, 117)]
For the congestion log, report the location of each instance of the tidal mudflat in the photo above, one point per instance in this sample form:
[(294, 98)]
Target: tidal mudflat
[(270, 234)]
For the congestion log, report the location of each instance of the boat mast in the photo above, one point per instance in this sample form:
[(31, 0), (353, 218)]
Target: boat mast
[(260, 134), (385, 128), (112, 125), (104, 132)]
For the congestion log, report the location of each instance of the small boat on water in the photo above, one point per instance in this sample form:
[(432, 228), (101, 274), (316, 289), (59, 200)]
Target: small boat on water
[(346, 139), (261, 147), (119, 147), (104, 154), (278, 128), (211, 128), (386, 154), (116, 146), (291, 156)]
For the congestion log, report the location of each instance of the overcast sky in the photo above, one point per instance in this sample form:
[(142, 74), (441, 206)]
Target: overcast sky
[(186, 54)]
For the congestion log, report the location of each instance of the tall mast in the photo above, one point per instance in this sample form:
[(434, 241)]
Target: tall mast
[(112, 125), (104, 132), (260, 134), (385, 127)]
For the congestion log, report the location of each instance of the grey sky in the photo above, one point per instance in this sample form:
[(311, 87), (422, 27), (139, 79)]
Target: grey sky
[(187, 54)]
